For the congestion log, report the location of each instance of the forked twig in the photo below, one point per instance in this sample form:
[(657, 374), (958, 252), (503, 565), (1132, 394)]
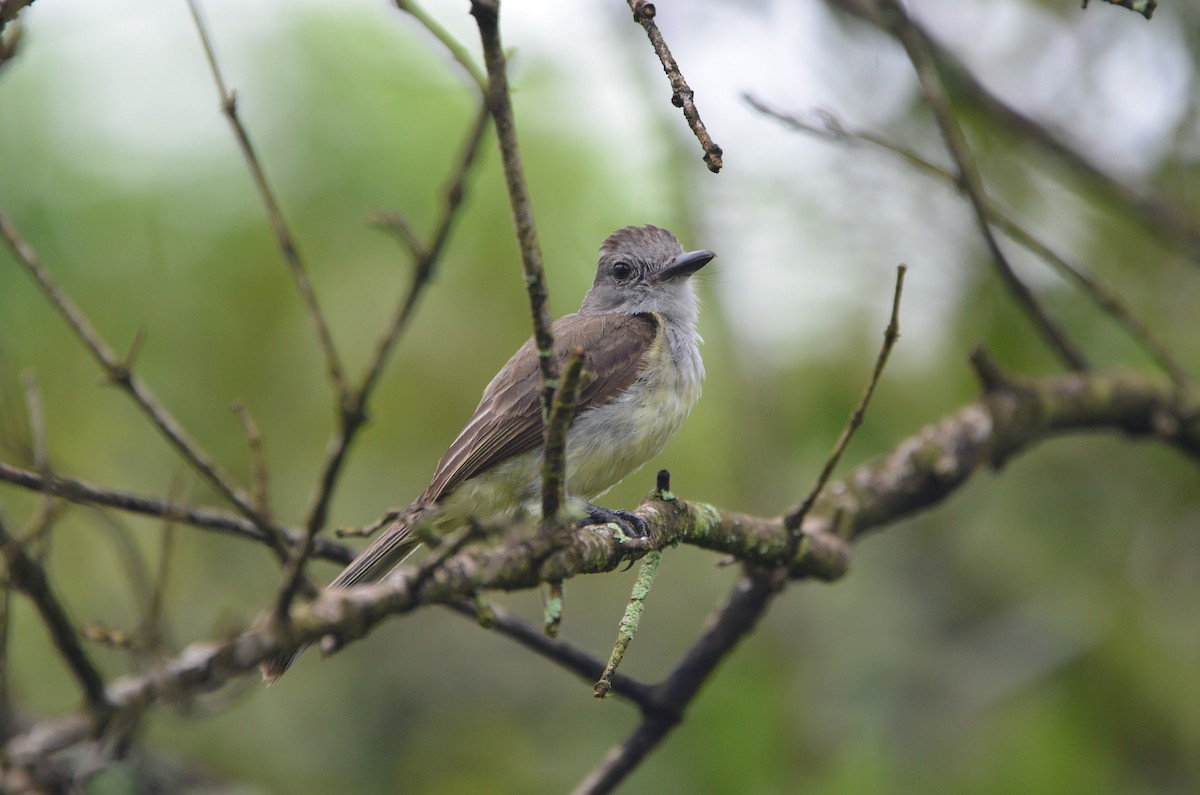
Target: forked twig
[(119, 373)]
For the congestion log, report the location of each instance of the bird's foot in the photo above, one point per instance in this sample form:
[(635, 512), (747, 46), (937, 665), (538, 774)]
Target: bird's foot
[(632, 525)]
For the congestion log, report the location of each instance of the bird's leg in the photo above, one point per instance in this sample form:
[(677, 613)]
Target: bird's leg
[(631, 524)]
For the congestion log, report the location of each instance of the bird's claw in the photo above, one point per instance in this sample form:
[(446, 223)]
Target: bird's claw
[(632, 525)]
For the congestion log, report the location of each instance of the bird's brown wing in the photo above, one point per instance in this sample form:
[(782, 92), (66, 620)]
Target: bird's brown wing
[(508, 420)]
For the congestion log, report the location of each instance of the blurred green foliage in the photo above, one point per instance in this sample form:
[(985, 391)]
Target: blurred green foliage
[(1038, 632)]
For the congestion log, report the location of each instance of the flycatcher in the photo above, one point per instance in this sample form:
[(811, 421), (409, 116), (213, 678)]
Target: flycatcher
[(642, 375)]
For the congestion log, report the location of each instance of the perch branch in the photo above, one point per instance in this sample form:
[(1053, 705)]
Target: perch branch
[(1013, 416)]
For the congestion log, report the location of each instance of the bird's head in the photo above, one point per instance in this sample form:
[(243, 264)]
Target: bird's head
[(645, 269)]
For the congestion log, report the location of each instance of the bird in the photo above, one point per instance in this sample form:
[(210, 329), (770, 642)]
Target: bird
[(642, 375)]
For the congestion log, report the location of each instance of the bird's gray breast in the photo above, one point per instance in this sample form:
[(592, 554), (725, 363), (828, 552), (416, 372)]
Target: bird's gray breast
[(612, 440)]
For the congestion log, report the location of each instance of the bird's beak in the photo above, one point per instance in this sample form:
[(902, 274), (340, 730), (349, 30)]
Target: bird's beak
[(685, 265)]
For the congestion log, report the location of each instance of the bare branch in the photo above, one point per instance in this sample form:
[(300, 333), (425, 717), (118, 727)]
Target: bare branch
[(794, 519), (1157, 212), (1143, 7), (827, 125), (83, 493), (119, 373), (917, 48), (283, 235), (681, 93), (28, 577), (554, 459), (487, 17)]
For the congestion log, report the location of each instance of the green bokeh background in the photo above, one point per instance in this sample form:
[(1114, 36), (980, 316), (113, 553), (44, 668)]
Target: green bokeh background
[(1038, 632)]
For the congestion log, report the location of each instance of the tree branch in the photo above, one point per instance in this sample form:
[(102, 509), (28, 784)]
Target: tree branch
[(1154, 210), (28, 577), (827, 125), (487, 17), (1013, 416), (84, 493), (283, 235), (119, 372), (681, 93), (915, 44)]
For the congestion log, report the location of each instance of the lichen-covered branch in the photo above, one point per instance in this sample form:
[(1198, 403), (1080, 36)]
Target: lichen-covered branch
[(1013, 416)]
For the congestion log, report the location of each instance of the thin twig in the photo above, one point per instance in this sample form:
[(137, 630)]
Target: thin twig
[(1161, 214), (452, 45), (733, 621), (918, 51), (794, 520), (28, 577), (83, 493), (119, 372), (40, 444), (827, 125), (1143, 7), (487, 16), (630, 621), (9, 10), (354, 413), (258, 455), (554, 458), (681, 93), (283, 235)]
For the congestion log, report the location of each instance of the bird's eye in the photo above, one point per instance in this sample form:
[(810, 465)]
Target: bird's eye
[(622, 270)]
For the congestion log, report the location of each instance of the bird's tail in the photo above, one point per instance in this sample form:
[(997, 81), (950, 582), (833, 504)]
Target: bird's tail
[(372, 564)]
